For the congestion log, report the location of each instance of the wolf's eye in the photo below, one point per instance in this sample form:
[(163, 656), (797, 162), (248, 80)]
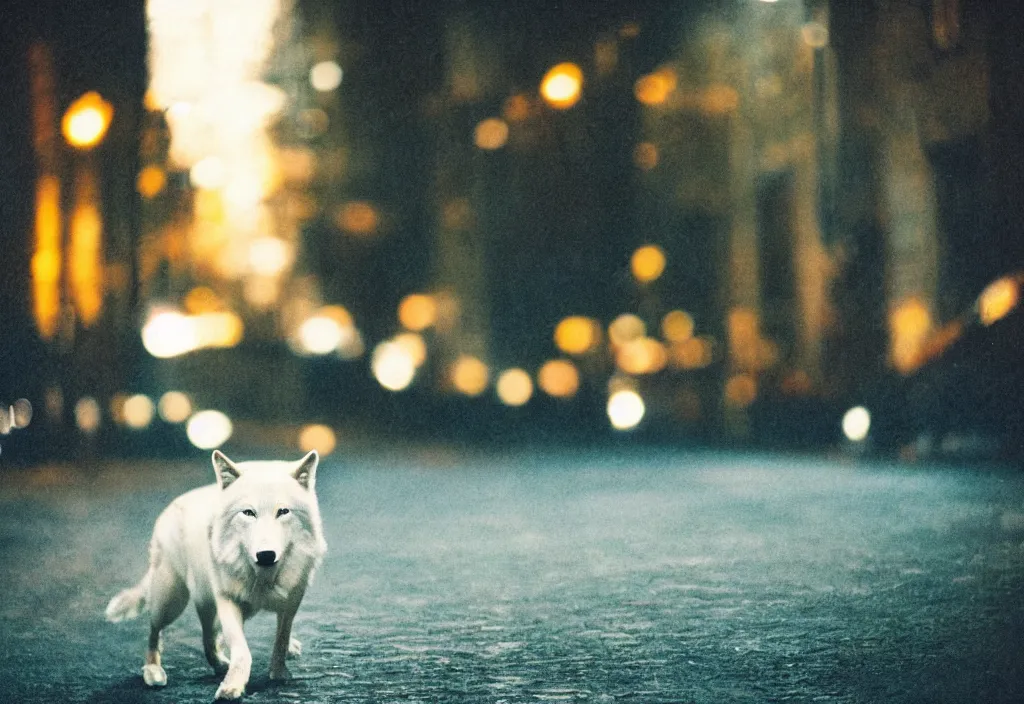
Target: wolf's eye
[(282, 512), (249, 512)]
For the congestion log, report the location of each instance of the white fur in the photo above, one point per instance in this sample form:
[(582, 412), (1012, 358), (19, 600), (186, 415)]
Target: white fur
[(206, 543)]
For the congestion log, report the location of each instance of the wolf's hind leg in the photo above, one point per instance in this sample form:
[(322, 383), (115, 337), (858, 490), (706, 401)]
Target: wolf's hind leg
[(168, 597), (211, 635)]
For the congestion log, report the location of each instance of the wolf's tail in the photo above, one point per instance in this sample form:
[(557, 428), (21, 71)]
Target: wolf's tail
[(129, 602)]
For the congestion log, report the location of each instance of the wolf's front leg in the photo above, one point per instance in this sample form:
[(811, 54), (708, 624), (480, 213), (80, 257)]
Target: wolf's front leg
[(282, 645), (207, 610), (240, 664)]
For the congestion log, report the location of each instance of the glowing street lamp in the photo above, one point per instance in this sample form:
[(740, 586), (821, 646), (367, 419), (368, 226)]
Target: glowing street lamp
[(86, 121)]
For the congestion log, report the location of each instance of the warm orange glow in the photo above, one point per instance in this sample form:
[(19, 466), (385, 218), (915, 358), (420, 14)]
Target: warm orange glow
[(151, 181), (645, 156), (469, 375), (562, 85), (654, 88), (86, 253), (815, 35), (202, 299), (998, 299), (417, 312), (414, 345), (744, 338), (86, 121), (694, 353), (358, 218), (626, 327), (559, 378), (740, 391), (270, 256), (517, 108), (317, 437), (719, 99), (577, 335), (648, 263), (137, 411), (46, 259), (338, 314), (909, 325), (174, 407), (643, 355), (457, 214), (514, 387), (677, 326), (491, 134), (169, 333)]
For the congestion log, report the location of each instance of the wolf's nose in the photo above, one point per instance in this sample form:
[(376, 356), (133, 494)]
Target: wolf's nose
[(265, 558)]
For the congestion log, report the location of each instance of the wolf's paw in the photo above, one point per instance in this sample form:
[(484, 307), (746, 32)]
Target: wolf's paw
[(280, 673), (229, 691), (154, 675), (294, 648)]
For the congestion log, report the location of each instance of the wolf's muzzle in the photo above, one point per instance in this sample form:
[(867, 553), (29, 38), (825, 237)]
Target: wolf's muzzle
[(265, 558)]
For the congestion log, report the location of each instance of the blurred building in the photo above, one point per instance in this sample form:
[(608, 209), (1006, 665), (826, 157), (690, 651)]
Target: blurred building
[(733, 217)]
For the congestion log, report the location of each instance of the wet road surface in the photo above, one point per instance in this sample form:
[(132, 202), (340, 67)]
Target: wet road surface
[(571, 577)]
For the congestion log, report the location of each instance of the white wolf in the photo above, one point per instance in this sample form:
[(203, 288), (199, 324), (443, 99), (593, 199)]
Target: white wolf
[(247, 543)]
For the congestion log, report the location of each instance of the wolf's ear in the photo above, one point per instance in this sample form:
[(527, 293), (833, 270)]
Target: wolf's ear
[(305, 470), (226, 470)]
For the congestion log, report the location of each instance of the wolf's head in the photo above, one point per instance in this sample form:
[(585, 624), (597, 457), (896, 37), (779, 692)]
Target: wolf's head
[(269, 515)]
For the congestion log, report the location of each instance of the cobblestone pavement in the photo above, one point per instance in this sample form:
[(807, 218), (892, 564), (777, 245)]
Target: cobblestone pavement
[(532, 577)]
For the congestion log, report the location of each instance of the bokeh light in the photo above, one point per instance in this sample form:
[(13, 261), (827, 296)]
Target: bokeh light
[(417, 312), (740, 391), (319, 335), (358, 218), (577, 334), (648, 263), (642, 355), (677, 326), (86, 121), (559, 378), (392, 366), (415, 345), (325, 76), (469, 375), (626, 327), (562, 85), (88, 415), (169, 334), (625, 409), (174, 407), (655, 88), (137, 411), (694, 353), (209, 429), (910, 321), (645, 156), (514, 387), (46, 257), (151, 181), (269, 256), (209, 173), (516, 108), (856, 423), (997, 300), (491, 134), (317, 437)]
